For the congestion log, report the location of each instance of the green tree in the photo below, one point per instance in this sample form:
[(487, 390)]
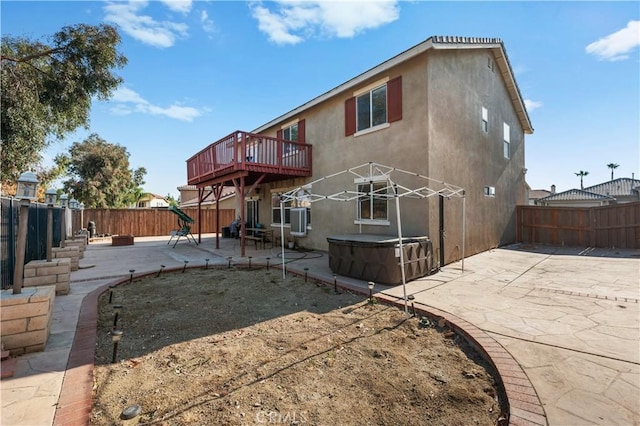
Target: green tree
[(47, 87), (172, 201), (612, 166), (99, 174), (582, 174)]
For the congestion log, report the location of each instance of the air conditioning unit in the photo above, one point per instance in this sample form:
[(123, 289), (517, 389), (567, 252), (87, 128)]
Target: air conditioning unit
[(299, 222)]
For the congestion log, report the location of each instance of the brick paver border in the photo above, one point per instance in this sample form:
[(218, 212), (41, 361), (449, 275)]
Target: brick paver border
[(75, 402)]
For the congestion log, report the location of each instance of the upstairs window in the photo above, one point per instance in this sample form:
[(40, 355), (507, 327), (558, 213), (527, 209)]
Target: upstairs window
[(506, 141), (485, 120), (371, 108), (374, 107), (292, 131)]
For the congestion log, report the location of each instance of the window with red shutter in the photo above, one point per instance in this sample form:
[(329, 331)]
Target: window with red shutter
[(376, 108)]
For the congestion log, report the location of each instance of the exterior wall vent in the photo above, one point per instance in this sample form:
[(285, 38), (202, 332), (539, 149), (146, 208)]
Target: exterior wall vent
[(299, 222)]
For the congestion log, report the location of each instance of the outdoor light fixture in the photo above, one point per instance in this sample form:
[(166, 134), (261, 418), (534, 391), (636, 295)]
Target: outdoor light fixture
[(74, 204), (27, 186), (116, 309), (206, 265), (229, 259), (131, 412), (111, 287), (160, 271), (306, 270), (64, 201), (268, 258), (131, 271), (335, 283), (411, 297), (51, 196), (250, 262), (370, 284), (184, 268), (116, 335)]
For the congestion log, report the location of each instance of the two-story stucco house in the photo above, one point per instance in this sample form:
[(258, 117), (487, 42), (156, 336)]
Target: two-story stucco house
[(448, 108)]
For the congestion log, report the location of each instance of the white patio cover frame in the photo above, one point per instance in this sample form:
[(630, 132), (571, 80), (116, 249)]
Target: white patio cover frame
[(375, 172)]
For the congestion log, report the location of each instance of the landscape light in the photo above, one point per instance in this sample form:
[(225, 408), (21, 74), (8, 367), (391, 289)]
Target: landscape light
[(206, 266), (116, 335), (268, 258), (184, 268), (131, 271), (335, 283), (160, 271), (111, 287), (116, 309), (131, 412), (306, 270), (249, 262), (370, 284), (411, 297), (229, 259)]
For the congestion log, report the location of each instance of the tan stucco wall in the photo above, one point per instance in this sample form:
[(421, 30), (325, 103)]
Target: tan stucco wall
[(439, 136)]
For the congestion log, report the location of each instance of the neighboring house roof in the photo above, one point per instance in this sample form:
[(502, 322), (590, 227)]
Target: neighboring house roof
[(575, 195), (435, 42), (539, 193), (621, 187)]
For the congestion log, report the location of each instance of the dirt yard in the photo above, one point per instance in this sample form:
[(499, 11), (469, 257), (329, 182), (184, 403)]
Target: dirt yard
[(244, 347)]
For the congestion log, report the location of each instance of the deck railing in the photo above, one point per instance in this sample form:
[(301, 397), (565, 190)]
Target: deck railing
[(247, 151)]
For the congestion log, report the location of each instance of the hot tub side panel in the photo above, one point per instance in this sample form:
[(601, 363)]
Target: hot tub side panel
[(378, 263)]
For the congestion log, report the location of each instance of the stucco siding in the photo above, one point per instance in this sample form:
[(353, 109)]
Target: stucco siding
[(440, 135)]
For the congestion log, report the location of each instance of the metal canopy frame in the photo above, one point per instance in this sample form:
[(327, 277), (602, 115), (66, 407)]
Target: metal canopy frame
[(374, 172)]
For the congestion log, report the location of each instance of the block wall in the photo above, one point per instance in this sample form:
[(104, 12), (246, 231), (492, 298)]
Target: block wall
[(56, 273)]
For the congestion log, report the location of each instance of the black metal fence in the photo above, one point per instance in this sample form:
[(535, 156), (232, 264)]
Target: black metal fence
[(36, 235)]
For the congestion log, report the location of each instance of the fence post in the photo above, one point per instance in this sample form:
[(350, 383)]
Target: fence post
[(18, 271), (593, 240)]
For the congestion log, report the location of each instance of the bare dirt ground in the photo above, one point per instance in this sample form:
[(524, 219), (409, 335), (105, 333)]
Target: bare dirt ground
[(244, 347)]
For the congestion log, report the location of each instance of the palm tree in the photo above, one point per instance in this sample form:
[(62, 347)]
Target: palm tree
[(612, 166), (582, 174)]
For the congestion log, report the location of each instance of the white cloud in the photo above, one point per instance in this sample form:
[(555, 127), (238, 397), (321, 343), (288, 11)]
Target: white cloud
[(291, 22), (182, 6), (615, 47), (531, 105), (207, 24), (142, 27), (128, 101)]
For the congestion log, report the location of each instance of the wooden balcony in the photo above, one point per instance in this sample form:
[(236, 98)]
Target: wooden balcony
[(254, 157)]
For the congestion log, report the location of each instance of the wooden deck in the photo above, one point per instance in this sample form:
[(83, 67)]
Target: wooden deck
[(248, 155)]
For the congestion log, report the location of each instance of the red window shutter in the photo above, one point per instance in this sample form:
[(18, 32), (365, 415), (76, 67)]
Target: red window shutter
[(301, 135), (279, 134), (350, 116), (394, 99)]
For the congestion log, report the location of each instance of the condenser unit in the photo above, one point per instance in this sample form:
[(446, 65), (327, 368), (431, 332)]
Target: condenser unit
[(299, 222)]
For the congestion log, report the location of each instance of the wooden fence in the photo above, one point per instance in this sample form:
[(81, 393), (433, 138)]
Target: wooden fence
[(616, 226), (148, 222)]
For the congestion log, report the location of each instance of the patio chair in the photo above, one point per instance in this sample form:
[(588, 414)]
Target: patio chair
[(184, 227)]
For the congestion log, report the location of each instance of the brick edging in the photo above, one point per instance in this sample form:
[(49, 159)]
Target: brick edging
[(523, 404)]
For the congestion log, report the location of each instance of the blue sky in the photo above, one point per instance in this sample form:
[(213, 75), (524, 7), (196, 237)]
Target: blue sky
[(199, 70)]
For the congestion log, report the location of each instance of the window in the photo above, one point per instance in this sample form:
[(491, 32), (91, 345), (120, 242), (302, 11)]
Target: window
[(485, 119), (303, 200), (374, 106), (506, 141), (489, 191), (291, 134), (371, 108), (371, 204)]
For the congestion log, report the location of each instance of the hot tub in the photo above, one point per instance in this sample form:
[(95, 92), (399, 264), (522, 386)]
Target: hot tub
[(377, 257)]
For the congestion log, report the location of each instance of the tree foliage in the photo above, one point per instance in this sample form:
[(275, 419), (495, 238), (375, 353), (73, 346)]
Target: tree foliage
[(612, 166), (47, 89), (99, 174)]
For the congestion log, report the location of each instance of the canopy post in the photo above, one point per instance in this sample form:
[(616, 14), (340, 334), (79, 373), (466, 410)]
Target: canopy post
[(464, 237), (284, 265), (404, 280)]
